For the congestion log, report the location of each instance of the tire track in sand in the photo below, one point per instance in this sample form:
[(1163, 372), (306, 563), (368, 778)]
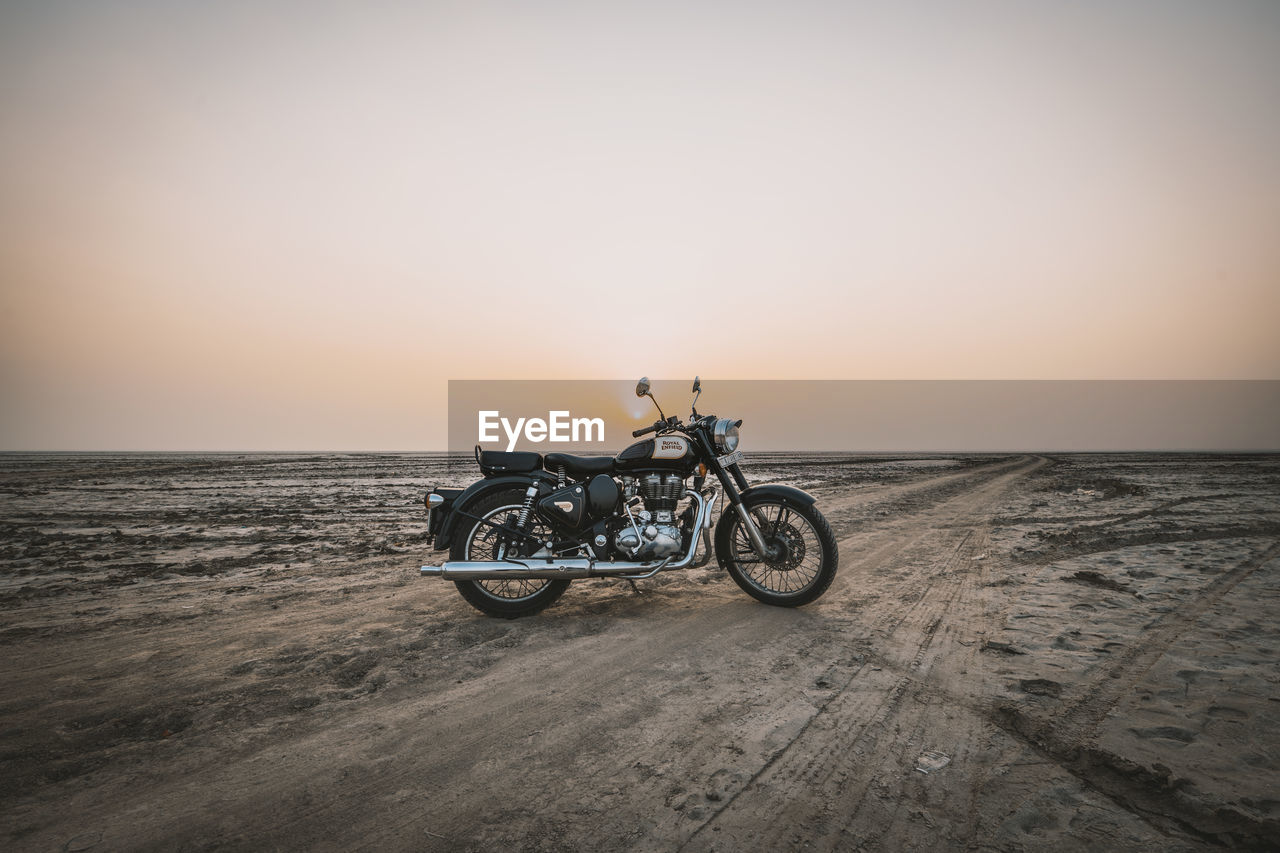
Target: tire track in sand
[(814, 787), (613, 671), (1067, 738), (596, 711)]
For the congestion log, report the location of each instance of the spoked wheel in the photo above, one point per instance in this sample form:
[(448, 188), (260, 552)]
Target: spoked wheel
[(512, 598), (801, 557)]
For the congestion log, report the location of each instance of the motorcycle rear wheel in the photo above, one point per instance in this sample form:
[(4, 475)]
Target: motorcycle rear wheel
[(506, 599)]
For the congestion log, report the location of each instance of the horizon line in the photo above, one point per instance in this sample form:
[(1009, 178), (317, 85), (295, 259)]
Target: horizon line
[(467, 453)]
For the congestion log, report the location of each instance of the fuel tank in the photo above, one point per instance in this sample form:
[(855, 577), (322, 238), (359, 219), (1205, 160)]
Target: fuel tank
[(674, 452)]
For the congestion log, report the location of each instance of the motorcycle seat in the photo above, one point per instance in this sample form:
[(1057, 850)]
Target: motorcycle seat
[(579, 466)]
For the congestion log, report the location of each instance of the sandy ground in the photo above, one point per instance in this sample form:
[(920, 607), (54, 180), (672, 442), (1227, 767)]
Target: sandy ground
[(1019, 653)]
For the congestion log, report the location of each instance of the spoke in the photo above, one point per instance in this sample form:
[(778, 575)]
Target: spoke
[(484, 545), (800, 565)]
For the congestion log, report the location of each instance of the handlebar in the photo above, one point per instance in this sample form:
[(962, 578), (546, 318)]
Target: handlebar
[(672, 423)]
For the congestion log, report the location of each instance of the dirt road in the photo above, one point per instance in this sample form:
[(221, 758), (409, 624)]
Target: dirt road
[(340, 702)]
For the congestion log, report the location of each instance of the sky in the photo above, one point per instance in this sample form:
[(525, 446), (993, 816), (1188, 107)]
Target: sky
[(286, 225)]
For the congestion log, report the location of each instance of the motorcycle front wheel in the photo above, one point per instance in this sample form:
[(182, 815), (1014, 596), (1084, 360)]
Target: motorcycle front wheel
[(803, 555), (508, 599)]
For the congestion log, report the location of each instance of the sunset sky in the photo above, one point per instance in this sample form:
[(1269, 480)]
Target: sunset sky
[(286, 225)]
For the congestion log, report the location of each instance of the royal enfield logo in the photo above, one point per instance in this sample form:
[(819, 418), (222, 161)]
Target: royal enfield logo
[(559, 427), (670, 447)]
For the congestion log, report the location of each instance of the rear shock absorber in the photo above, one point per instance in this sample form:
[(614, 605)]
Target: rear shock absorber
[(528, 505)]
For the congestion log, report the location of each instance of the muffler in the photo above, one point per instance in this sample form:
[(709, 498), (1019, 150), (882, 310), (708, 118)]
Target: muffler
[(570, 569)]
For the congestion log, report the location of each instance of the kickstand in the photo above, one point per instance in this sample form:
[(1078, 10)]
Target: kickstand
[(634, 588)]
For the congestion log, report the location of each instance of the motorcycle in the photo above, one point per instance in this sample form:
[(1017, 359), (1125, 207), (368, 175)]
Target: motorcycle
[(533, 523)]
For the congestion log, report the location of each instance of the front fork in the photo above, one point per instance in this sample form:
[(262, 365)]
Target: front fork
[(734, 484), (763, 551)]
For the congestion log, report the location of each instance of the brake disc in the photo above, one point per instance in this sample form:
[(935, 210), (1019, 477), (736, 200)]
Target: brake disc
[(791, 541)]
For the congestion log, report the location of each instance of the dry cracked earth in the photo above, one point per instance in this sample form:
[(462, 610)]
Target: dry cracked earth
[(1019, 653)]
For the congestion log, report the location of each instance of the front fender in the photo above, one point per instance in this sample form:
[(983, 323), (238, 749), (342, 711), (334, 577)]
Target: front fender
[(784, 494), (479, 489), (789, 494)]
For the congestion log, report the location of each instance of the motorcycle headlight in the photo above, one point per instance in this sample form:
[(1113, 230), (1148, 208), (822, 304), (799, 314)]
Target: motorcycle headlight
[(726, 435)]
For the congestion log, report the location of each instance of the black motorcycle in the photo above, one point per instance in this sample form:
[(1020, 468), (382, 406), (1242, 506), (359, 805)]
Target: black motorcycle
[(533, 523)]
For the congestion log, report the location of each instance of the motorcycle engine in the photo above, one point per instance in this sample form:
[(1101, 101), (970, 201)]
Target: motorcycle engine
[(658, 536)]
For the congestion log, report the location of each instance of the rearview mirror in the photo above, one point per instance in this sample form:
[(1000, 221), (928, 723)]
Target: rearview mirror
[(642, 387), (697, 385)]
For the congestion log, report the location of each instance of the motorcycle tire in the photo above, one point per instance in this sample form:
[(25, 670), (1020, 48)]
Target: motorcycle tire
[(504, 599), (806, 564)]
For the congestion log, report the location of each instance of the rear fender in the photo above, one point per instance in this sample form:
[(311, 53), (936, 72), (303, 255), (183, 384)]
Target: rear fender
[(477, 490)]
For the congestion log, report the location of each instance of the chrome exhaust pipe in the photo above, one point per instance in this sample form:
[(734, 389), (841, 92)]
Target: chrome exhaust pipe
[(574, 568), (571, 569)]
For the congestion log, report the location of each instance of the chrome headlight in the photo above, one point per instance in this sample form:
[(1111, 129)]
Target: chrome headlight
[(726, 435)]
